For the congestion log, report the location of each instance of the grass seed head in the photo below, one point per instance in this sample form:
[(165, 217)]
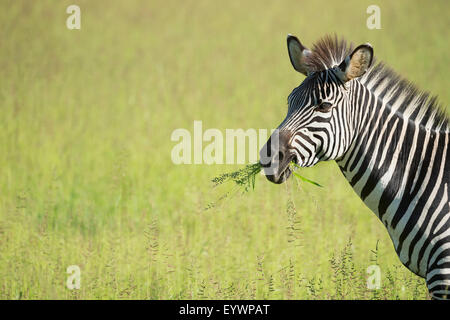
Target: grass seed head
[(244, 177)]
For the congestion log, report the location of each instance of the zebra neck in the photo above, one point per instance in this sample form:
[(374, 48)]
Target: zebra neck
[(395, 163)]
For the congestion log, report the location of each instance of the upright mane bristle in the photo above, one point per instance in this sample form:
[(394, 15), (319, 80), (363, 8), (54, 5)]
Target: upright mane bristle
[(328, 52)]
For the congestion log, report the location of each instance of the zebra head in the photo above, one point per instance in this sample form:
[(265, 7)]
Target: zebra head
[(319, 124)]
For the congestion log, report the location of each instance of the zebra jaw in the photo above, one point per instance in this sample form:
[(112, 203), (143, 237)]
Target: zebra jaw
[(281, 173)]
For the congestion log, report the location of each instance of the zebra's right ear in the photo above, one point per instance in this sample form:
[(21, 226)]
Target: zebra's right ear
[(297, 54)]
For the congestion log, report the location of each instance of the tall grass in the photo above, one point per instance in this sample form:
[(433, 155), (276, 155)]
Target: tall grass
[(86, 175)]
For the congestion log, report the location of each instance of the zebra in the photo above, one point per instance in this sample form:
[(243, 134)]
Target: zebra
[(390, 141)]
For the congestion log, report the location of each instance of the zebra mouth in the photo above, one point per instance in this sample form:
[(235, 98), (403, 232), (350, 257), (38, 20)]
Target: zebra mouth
[(282, 173)]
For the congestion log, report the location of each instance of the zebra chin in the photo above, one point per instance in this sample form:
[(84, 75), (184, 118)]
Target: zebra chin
[(280, 177)]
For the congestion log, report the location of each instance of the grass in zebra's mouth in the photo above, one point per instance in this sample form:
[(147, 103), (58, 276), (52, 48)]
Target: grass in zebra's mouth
[(294, 166), (244, 179)]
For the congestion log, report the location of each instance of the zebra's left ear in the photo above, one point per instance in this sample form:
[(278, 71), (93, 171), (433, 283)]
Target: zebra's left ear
[(357, 63)]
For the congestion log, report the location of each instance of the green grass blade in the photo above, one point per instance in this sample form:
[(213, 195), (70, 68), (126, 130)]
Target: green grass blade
[(306, 179), (303, 178)]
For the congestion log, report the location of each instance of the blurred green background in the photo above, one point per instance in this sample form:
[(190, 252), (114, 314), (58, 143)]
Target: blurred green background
[(86, 174)]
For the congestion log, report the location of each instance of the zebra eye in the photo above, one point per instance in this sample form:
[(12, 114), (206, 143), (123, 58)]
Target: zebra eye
[(324, 107)]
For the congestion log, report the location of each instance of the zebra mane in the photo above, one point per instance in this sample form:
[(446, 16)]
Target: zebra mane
[(327, 53), (330, 51)]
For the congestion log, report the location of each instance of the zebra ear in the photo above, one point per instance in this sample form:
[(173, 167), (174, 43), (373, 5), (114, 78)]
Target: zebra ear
[(297, 54), (357, 63)]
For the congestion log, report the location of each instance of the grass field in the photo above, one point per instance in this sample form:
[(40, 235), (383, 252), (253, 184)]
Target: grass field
[(86, 176)]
